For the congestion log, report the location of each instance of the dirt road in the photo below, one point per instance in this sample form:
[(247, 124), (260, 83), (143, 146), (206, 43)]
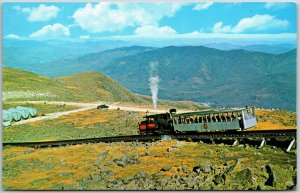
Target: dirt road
[(52, 115), (84, 107), (95, 104)]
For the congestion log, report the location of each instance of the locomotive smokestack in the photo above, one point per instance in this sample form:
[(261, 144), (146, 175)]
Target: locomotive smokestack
[(153, 82)]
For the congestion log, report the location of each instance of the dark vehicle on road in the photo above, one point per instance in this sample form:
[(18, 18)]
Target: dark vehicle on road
[(102, 106)]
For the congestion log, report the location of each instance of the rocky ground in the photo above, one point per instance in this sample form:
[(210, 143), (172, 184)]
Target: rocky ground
[(161, 165)]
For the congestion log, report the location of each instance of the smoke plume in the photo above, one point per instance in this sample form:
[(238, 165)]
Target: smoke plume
[(153, 82)]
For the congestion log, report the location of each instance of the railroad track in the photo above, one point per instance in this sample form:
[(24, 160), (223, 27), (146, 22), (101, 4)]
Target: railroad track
[(267, 134)]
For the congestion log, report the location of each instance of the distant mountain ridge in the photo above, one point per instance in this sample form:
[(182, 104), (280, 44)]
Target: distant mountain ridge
[(220, 77), (90, 62), (223, 78), (271, 49), (38, 56)]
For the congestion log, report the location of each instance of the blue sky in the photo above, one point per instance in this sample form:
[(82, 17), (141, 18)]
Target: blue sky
[(88, 21)]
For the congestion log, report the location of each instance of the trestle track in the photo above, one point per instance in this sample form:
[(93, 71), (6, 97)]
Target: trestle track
[(263, 134)]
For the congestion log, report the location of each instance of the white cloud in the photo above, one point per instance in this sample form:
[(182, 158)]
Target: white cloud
[(198, 36), (202, 6), (255, 23), (106, 16), (155, 31), (40, 13), (12, 36), (276, 5), (23, 10), (219, 28), (84, 37), (51, 31)]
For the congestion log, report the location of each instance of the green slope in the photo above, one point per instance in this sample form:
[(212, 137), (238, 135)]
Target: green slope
[(85, 87), (20, 85), (97, 86)]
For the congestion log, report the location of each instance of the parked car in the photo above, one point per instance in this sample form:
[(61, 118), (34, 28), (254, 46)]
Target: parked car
[(102, 106)]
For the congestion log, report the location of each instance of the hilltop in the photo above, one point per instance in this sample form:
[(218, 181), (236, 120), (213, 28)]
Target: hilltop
[(85, 87), (21, 85)]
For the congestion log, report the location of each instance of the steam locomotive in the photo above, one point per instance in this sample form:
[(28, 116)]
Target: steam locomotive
[(199, 121)]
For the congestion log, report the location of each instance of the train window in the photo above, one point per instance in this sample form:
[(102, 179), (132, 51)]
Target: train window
[(232, 116), (196, 120), (213, 118), (223, 117), (187, 121), (208, 118), (228, 117), (219, 118), (191, 120)]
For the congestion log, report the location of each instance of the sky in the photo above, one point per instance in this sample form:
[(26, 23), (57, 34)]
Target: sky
[(126, 21)]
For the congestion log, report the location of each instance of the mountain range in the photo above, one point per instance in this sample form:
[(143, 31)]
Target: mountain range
[(201, 74), (222, 78)]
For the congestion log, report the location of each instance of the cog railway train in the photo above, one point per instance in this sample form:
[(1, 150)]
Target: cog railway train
[(200, 121)]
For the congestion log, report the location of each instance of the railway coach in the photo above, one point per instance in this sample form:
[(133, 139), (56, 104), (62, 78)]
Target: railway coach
[(199, 121)]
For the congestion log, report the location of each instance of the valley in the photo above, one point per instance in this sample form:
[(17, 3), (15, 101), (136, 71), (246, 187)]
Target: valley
[(200, 74)]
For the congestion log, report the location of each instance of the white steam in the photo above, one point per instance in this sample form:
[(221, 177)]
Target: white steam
[(153, 82)]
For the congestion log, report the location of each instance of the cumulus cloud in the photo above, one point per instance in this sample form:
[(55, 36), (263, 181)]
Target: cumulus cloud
[(255, 23), (154, 31), (51, 31), (202, 6), (12, 36), (40, 13), (111, 17), (276, 5)]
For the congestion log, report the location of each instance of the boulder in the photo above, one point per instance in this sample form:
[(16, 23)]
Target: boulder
[(170, 149), (205, 167), (125, 160)]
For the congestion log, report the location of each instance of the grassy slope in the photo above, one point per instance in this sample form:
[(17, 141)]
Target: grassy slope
[(23, 85), (85, 87), (97, 86), (85, 124)]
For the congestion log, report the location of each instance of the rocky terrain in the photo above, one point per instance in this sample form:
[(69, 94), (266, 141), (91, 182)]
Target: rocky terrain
[(161, 165)]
